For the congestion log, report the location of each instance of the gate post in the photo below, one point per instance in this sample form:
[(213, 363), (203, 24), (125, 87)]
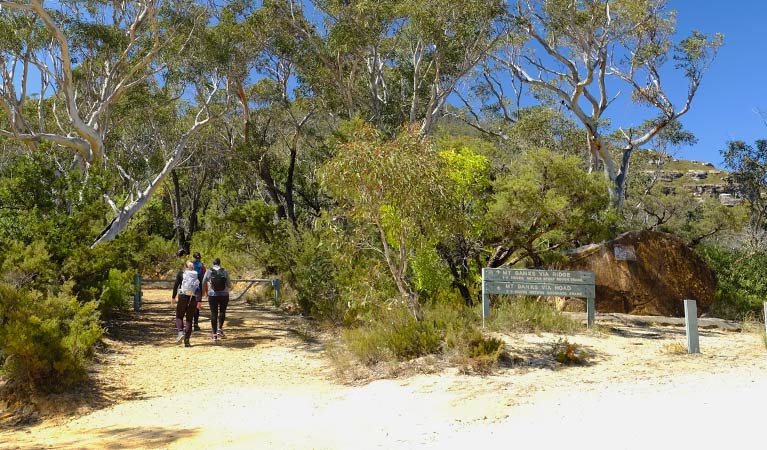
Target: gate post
[(485, 300), (136, 292), (276, 286), (765, 317), (691, 322)]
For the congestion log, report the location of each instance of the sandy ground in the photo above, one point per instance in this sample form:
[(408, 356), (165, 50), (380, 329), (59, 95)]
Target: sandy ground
[(267, 386)]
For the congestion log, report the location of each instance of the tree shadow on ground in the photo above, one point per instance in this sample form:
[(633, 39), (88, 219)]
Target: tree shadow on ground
[(116, 439), (542, 355), (654, 332)]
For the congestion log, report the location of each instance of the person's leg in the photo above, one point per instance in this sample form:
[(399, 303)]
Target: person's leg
[(196, 314), (180, 308), (192, 306), (223, 302), (213, 304)]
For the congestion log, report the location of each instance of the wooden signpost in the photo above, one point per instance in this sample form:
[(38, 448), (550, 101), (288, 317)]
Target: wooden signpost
[(559, 283)]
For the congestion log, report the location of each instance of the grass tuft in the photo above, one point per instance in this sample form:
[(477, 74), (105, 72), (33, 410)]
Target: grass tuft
[(674, 348), (527, 315)]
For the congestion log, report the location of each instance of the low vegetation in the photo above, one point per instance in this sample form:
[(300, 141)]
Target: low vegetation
[(569, 353)]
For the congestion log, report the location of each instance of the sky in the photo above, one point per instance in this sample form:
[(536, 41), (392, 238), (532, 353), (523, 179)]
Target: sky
[(735, 87)]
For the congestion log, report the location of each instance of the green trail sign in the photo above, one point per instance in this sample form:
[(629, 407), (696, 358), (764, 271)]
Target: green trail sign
[(559, 283)]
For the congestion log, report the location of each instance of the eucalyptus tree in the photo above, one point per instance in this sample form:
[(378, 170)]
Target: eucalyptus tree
[(544, 204), (578, 53), (76, 61), (390, 62), (392, 190), (748, 179)]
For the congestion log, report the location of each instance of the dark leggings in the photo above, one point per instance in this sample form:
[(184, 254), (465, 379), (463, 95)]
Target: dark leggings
[(185, 307), (218, 304)]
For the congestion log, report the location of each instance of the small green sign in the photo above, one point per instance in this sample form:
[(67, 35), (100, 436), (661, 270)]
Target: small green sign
[(551, 289), (538, 276)]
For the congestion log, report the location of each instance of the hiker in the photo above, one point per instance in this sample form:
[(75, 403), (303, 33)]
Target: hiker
[(199, 267), (185, 286), (219, 283)]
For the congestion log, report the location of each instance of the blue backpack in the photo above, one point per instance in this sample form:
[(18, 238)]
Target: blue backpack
[(199, 267)]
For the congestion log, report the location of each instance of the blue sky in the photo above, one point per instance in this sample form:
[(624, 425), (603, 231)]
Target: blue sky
[(736, 85)]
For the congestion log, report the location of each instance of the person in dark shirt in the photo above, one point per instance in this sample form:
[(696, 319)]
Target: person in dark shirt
[(219, 283), (185, 286)]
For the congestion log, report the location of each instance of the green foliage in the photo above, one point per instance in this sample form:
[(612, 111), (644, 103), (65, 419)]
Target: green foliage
[(28, 266), (393, 335), (431, 276), (46, 341), (741, 281), (393, 190), (748, 179), (396, 335), (547, 202), (527, 315), (308, 264), (116, 292), (467, 345)]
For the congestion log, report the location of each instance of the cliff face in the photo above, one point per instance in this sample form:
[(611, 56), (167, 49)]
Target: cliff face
[(701, 179), (646, 273)]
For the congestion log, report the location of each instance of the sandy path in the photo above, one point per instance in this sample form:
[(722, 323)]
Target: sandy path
[(265, 387)]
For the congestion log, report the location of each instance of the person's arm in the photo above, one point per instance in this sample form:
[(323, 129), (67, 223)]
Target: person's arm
[(205, 281), (176, 284)]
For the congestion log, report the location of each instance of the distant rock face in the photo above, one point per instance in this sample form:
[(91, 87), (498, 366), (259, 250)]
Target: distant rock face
[(646, 273), (697, 174)]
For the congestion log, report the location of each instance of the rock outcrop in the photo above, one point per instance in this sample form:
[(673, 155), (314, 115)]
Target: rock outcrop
[(647, 273)]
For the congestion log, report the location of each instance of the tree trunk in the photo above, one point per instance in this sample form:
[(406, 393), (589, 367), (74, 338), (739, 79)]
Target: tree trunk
[(289, 203), (178, 223)]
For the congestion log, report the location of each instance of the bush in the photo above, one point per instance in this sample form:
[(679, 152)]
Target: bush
[(46, 341), (116, 292), (28, 266), (525, 314), (741, 282), (396, 335), (568, 353)]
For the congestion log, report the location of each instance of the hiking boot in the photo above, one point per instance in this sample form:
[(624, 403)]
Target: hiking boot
[(186, 343), (214, 338), (179, 337), (221, 334), (196, 327)]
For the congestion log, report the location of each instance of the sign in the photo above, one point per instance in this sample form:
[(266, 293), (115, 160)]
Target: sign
[(558, 283), (551, 289), (538, 276), (624, 253)]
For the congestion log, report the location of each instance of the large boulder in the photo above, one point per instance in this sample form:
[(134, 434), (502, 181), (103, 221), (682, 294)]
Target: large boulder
[(646, 273)]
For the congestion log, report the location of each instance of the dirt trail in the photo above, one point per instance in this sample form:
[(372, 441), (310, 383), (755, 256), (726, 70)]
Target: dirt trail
[(266, 386)]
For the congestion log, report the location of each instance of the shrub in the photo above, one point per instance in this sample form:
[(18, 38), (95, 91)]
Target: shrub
[(28, 266), (116, 292), (396, 335), (741, 282), (46, 341), (569, 353), (525, 314)]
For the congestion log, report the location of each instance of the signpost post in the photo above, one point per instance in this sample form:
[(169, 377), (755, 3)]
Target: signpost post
[(559, 283), (691, 323)]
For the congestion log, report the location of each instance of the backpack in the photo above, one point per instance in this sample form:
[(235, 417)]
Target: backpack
[(199, 267), (218, 279), (189, 283)]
